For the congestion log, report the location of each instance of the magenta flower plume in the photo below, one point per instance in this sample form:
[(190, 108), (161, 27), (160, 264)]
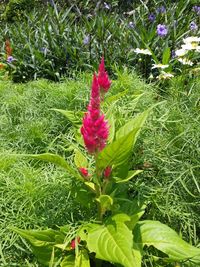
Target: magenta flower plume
[(103, 78), (95, 127)]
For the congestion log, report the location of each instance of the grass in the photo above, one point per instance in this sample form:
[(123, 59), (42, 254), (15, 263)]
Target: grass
[(38, 195), (171, 152)]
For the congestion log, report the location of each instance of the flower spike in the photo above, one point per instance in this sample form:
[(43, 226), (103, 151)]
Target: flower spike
[(103, 78), (95, 128)]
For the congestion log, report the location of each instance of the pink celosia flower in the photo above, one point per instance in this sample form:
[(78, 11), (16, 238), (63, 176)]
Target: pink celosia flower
[(103, 78), (83, 171), (95, 128), (75, 242), (107, 172)]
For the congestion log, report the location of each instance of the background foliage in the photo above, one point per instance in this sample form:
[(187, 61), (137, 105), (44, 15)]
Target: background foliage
[(56, 39)]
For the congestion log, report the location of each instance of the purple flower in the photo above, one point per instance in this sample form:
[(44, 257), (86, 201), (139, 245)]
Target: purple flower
[(86, 40), (10, 59), (193, 26), (131, 25), (196, 9), (173, 54), (152, 17), (161, 10), (162, 30)]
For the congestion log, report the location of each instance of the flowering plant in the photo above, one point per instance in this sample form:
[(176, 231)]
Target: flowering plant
[(116, 235)]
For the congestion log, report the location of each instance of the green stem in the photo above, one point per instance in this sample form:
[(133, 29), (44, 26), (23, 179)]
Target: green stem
[(105, 184), (98, 189)]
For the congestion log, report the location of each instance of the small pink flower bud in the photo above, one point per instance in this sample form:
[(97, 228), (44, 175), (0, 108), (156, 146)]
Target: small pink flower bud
[(103, 78), (107, 172), (74, 242), (84, 172)]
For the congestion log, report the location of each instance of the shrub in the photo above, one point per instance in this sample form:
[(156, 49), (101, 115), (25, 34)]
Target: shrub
[(15, 9), (52, 42)]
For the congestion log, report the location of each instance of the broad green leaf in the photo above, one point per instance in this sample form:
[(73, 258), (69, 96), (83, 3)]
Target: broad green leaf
[(166, 56), (133, 209), (42, 242), (85, 229), (162, 237), (74, 117), (113, 242), (55, 159), (111, 123), (105, 201), (135, 123), (68, 261), (118, 152), (80, 160), (90, 185), (82, 259), (121, 171), (137, 254), (82, 194), (131, 174), (121, 217)]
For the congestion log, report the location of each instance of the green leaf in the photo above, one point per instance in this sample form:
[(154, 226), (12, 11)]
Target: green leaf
[(131, 174), (166, 56), (91, 186), (121, 217), (82, 259), (80, 160), (133, 209), (121, 171), (82, 195), (135, 123), (162, 237), (42, 243), (74, 117), (85, 229), (55, 159), (113, 242), (68, 261), (105, 201), (109, 100), (118, 152), (111, 123)]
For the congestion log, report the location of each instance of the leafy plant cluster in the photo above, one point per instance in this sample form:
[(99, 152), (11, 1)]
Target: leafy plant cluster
[(167, 151), (15, 9), (113, 233), (55, 41)]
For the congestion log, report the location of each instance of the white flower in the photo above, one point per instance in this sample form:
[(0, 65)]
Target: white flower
[(142, 51), (181, 52), (185, 61), (191, 43), (191, 46), (159, 66), (192, 39), (165, 75)]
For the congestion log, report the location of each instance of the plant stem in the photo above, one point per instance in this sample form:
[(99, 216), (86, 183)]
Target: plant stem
[(98, 189)]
